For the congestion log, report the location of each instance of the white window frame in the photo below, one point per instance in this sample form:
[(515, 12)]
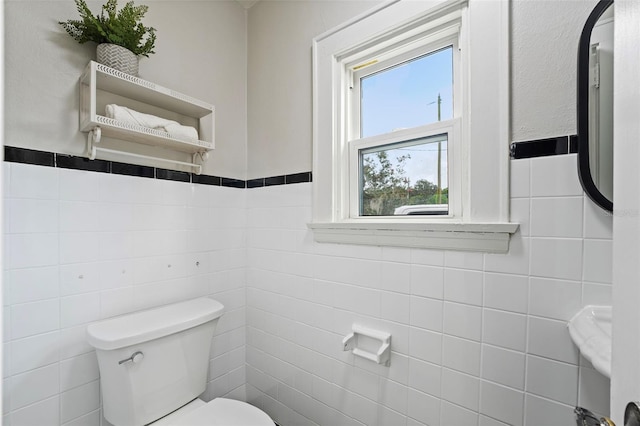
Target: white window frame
[(481, 210)]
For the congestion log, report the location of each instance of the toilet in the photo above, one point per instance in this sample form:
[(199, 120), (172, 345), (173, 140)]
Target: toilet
[(153, 366)]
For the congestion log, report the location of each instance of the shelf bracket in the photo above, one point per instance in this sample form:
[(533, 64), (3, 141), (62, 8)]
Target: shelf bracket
[(93, 137)]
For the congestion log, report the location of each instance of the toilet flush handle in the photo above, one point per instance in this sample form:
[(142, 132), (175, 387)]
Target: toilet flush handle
[(135, 357)]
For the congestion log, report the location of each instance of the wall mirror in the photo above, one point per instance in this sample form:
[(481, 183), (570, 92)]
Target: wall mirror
[(595, 105)]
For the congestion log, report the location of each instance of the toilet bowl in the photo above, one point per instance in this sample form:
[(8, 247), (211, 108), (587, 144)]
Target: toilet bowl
[(218, 412), (153, 366)]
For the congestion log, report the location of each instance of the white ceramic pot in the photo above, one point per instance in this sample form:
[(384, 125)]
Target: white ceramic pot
[(117, 57)]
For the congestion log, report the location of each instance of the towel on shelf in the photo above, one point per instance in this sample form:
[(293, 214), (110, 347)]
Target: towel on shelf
[(173, 128)]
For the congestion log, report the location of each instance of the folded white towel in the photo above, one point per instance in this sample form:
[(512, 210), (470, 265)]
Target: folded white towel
[(173, 128)]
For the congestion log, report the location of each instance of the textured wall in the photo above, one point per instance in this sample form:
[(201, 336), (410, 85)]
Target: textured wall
[(201, 51)]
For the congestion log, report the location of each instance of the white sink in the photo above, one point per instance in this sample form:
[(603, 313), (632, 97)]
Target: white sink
[(590, 330)]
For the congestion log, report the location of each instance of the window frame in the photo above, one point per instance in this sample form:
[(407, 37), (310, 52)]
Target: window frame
[(482, 223), (450, 127)]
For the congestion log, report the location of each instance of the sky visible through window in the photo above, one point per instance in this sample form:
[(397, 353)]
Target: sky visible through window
[(406, 96)]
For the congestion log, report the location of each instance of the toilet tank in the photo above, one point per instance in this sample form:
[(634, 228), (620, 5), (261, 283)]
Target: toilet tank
[(174, 341)]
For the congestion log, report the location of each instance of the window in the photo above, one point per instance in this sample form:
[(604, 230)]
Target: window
[(411, 132), (403, 173)]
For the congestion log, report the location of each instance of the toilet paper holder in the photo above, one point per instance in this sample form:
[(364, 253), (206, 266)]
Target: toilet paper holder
[(381, 355)]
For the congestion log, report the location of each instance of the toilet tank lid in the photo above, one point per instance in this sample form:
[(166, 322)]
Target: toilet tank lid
[(137, 327)]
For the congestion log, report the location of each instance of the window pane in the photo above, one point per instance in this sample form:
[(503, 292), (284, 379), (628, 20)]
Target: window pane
[(410, 94), (405, 178)]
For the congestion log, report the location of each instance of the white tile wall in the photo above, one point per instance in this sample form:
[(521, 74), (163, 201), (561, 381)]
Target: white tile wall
[(83, 246), (477, 339)]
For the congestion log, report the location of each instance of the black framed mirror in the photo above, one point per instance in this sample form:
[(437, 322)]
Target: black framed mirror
[(595, 105)]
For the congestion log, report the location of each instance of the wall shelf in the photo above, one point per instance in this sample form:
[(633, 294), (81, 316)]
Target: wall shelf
[(100, 85)]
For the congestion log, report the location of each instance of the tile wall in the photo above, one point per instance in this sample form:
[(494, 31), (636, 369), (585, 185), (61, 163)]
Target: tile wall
[(477, 339), (80, 246)]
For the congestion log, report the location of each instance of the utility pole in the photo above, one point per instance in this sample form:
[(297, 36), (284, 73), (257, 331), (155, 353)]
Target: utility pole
[(439, 197)]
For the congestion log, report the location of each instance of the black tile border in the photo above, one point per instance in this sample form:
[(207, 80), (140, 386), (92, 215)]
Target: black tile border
[(544, 147), (29, 156), (132, 170), (65, 161), (175, 175)]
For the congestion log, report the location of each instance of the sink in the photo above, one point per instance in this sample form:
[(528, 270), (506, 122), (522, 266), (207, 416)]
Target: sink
[(590, 330)]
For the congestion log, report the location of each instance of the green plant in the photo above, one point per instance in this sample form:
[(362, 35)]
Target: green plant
[(121, 27)]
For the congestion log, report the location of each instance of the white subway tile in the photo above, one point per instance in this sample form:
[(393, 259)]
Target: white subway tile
[(427, 281), (596, 294), (424, 377), (33, 352), (488, 421), (387, 417), (462, 321), (393, 395), (505, 329), (556, 258), (598, 223), (79, 309), (34, 386), (29, 181), (32, 284), (519, 212), (556, 217), (79, 401), (73, 342), (91, 419), (46, 412), (463, 286), (598, 261), (32, 215), (395, 307), (502, 403), (540, 411), (506, 292), (426, 313), (503, 366), (427, 257), (554, 176), (554, 298), (516, 261), (461, 389), (80, 216), (454, 415), (594, 391), (553, 380), (79, 247), (32, 250), (425, 345), (78, 185), (79, 278), (461, 355), (34, 318), (395, 277), (424, 408), (550, 339), (520, 181), (116, 302), (78, 371), (463, 260), (115, 245)]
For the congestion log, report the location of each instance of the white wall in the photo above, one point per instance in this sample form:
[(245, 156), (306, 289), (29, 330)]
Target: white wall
[(477, 339), (279, 80), (201, 51), (83, 246)]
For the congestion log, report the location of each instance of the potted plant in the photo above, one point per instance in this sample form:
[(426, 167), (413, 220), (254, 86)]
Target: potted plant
[(120, 35)]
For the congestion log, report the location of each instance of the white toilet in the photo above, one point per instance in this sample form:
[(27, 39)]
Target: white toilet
[(153, 365)]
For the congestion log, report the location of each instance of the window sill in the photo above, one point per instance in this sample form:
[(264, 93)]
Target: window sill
[(480, 237)]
